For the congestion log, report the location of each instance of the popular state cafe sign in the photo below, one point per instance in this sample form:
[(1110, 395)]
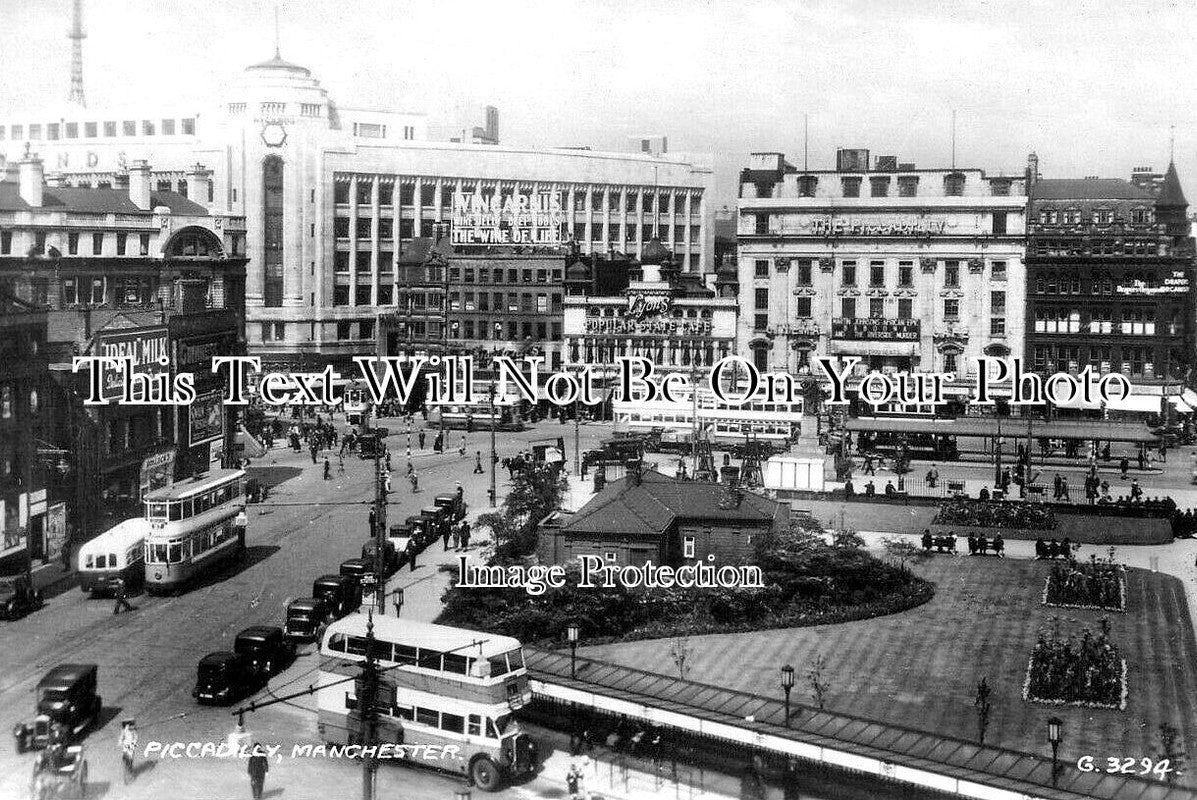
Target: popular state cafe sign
[(527, 218)]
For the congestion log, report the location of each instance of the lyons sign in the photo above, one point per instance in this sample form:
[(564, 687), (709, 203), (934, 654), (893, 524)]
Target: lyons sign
[(530, 218)]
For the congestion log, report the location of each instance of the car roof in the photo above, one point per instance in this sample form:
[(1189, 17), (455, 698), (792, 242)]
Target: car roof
[(260, 632), (330, 578), (356, 561), (452, 497), (306, 602), (66, 674), (219, 657), (433, 509)]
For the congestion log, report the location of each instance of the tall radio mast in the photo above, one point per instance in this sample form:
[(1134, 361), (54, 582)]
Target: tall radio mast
[(76, 35)]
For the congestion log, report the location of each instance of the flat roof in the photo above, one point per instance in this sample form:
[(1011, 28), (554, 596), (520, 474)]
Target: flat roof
[(193, 486), (425, 634)]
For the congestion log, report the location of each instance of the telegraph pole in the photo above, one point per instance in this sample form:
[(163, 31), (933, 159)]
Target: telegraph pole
[(577, 430), (494, 423), (380, 525), (366, 695)]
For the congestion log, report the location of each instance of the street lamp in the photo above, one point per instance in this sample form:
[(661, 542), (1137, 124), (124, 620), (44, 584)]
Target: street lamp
[(1055, 735), (787, 683), (572, 632), (397, 600)]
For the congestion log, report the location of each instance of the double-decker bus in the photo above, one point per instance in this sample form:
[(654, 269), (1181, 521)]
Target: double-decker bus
[(192, 528), (758, 418), (439, 686), (118, 552)]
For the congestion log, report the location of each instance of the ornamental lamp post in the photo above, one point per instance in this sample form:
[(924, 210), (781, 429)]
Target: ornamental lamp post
[(572, 632), (787, 683), (1055, 735)]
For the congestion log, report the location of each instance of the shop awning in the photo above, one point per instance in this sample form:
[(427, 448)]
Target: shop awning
[(1145, 403), (1190, 398), (1180, 405), (1013, 427)]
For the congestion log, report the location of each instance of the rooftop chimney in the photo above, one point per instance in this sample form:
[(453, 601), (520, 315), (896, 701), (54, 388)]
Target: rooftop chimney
[(120, 179), (197, 184), (139, 184), (31, 176)]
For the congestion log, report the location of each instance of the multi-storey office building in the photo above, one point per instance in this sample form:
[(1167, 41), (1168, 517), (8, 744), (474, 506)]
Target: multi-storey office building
[(333, 196), (1109, 282), (135, 272), (904, 268)]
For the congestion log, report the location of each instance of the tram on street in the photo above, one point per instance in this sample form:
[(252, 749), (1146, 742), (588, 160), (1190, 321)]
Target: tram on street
[(192, 528), (439, 686), (118, 552), (507, 415), (777, 423)]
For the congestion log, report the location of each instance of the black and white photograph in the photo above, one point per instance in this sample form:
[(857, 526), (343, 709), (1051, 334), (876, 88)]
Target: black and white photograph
[(598, 400)]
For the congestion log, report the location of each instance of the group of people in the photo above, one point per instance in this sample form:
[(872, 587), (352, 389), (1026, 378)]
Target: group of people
[(870, 490), (457, 533), (1052, 549), (978, 545)]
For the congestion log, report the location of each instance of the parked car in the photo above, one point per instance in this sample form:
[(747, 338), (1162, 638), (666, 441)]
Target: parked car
[(439, 520), (341, 593), (222, 677), (390, 557), (453, 503), (18, 597), (306, 618), (66, 696), (358, 569), (399, 536), (422, 531), (266, 648)]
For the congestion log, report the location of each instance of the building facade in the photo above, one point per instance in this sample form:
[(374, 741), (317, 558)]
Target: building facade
[(1109, 281), (135, 272), (333, 195), (903, 268), (650, 517), (658, 312)]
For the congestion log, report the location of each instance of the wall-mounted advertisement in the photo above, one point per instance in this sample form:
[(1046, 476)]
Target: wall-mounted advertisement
[(205, 419), (146, 348), (522, 218)]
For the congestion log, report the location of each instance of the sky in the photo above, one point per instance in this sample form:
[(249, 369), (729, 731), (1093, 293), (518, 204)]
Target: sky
[(1094, 88)]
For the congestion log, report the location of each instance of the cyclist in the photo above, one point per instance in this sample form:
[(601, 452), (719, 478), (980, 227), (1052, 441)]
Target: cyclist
[(128, 743)]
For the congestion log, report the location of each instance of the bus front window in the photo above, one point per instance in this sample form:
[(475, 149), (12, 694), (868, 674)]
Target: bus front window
[(176, 511)]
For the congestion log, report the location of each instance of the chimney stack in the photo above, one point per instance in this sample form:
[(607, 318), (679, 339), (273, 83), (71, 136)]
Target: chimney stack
[(32, 177), (120, 179), (197, 184), (139, 184)]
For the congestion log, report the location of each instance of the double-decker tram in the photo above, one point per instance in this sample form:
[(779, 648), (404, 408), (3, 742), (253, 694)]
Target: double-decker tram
[(776, 422), (442, 687), (192, 528)]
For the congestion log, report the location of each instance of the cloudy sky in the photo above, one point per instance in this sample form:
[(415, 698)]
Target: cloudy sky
[(1092, 87)]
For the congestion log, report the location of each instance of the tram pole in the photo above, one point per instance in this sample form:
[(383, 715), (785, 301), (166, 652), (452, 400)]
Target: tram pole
[(494, 423), (366, 696), (380, 525)]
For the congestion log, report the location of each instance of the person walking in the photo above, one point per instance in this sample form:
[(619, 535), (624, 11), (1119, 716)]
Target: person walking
[(327, 469), (461, 449), (258, 767), (415, 481), (422, 436), (128, 745), (478, 463), (446, 534), (121, 592), (465, 535)]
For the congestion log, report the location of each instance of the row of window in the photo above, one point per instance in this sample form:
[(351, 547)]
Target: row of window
[(878, 271), (433, 718), (374, 130), (880, 186), (767, 224), (1134, 322), (176, 510), (1101, 283), (1095, 247), (92, 130), (424, 657), (616, 232), (1133, 361), (646, 202), (1102, 216), (97, 240), (200, 543), (997, 305)]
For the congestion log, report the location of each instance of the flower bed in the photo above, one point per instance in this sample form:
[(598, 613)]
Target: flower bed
[(1077, 671), (1099, 584), (996, 514)]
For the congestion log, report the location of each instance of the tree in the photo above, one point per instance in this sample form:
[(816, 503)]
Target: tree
[(903, 550), (1171, 749), (983, 708), (820, 686), (679, 650), (536, 492)]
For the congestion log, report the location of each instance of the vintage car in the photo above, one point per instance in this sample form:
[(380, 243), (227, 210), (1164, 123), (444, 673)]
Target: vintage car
[(422, 530), (67, 700), (341, 593), (358, 569), (454, 503), (18, 597), (266, 648), (399, 536), (439, 519), (60, 772), (306, 618), (390, 557), (222, 677)]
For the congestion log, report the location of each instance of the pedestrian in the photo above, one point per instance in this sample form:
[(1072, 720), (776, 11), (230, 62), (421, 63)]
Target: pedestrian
[(868, 466), (455, 535), (422, 437), (386, 483), (327, 469), (446, 534), (312, 449), (1056, 487), (1164, 453), (1142, 460), (932, 476), (573, 781), (415, 481), (478, 463), (1064, 491), (258, 767), (373, 518), (465, 535), (388, 460), (121, 593), (461, 450)]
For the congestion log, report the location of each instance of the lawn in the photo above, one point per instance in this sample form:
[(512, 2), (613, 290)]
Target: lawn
[(920, 668)]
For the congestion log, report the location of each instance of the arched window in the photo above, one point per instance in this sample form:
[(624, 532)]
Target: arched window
[(272, 230), (194, 243)]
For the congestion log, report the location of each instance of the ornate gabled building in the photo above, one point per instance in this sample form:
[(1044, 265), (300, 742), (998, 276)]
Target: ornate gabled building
[(1109, 281)]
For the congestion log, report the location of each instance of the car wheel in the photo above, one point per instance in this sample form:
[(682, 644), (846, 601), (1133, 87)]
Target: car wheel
[(484, 774)]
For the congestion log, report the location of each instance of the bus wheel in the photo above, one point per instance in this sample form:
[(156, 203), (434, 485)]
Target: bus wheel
[(484, 774)]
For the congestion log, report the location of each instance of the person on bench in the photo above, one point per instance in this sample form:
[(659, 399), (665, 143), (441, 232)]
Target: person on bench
[(972, 544), (999, 546), (982, 544), (928, 542)]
